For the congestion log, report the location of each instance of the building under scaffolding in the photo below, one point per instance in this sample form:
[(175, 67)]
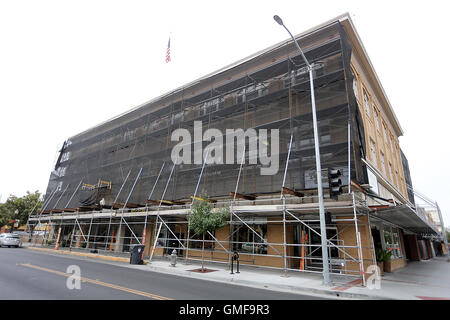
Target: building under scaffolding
[(115, 185)]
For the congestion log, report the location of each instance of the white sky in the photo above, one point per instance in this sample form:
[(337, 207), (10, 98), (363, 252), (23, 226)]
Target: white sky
[(66, 66)]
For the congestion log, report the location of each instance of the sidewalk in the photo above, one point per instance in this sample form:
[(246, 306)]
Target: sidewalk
[(428, 280), (422, 280), (425, 280)]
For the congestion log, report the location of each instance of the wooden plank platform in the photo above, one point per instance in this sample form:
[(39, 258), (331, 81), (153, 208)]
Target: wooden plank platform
[(201, 199), (69, 210), (129, 205), (171, 202), (88, 208), (242, 196), (293, 192)]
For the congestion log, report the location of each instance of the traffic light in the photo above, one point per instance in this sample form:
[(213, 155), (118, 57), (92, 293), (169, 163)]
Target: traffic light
[(334, 182)]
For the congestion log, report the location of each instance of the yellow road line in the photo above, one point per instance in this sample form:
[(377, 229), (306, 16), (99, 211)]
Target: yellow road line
[(98, 282)]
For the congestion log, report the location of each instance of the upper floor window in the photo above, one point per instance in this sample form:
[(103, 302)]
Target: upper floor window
[(65, 156), (392, 144), (383, 165), (355, 87), (391, 173), (397, 178), (373, 151), (375, 114), (366, 103), (385, 134)]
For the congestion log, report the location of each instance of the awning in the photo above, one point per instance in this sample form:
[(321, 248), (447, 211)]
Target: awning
[(405, 217)]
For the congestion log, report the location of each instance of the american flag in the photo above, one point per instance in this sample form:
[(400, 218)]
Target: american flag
[(168, 52)]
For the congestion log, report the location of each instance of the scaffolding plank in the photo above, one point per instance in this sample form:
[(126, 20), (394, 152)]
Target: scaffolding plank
[(128, 205), (171, 202), (242, 196), (293, 192), (88, 208), (202, 199)]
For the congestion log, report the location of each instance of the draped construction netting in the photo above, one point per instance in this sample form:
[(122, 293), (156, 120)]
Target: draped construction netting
[(270, 90)]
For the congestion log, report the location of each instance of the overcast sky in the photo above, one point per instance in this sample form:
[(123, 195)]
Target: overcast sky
[(66, 66)]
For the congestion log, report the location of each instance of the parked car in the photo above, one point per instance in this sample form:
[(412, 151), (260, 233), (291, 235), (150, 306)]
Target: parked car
[(10, 240)]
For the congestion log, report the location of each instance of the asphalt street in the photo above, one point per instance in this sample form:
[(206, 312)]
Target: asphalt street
[(27, 274)]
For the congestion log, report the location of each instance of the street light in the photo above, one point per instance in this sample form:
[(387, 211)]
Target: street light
[(323, 231)]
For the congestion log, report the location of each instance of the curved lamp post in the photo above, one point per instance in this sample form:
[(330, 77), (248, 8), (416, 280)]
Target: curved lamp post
[(323, 231)]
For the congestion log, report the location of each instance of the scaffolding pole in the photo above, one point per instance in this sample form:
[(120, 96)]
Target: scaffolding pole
[(146, 204), (232, 204), (125, 204), (192, 203), (358, 241), (157, 213), (115, 201), (284, 207)]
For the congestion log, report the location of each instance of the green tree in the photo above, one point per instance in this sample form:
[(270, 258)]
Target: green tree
[(24, 205), (203, 219)]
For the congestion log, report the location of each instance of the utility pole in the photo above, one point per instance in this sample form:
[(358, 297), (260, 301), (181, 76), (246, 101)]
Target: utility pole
[(323, 231)]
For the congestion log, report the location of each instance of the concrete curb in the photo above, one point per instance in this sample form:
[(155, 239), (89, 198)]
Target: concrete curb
[(82, 254)]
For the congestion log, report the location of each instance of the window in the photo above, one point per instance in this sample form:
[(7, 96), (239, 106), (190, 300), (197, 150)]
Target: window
[(65, 156), (61, 171), (377, 123), (366, 103), (129, 135), (355, 86), (246, 241), (392, 242), (383, 165), (385, 134), (373, 151), (392, 145), (391, 173), (397, 178)]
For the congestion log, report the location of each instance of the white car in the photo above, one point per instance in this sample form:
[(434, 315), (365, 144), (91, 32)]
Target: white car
[(10, 240)]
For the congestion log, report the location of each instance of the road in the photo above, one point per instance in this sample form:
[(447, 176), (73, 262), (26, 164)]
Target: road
[(27, 274)]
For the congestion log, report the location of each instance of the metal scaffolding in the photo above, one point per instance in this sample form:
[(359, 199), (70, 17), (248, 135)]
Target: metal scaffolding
[(269, 91), (346, 259)]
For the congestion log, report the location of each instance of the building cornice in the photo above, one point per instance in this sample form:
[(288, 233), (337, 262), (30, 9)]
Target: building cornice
[(362, 56)]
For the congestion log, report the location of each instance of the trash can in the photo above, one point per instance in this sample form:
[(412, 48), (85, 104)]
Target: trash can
[(136, 254)]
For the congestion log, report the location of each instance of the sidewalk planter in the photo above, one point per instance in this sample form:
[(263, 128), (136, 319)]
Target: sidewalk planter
[(380, 256), (387, 255), (388, 266), (380, 265), (384, 260)]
